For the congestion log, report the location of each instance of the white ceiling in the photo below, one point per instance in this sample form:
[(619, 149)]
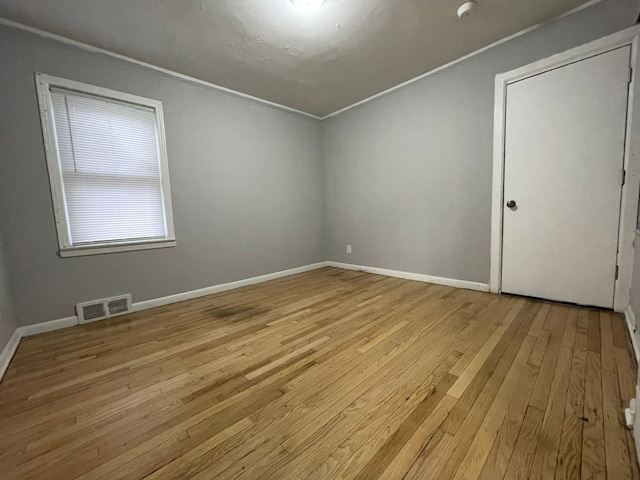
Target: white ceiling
[(346, 51)]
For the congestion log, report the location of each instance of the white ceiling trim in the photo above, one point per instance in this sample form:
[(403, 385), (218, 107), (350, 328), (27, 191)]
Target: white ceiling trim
[(466, 57), (148, 66), (196, 81)]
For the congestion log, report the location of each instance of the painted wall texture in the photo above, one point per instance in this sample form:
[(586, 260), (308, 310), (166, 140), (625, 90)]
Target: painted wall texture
[(635, 282), (404, 179), (635, 306), (245, 181), (7, 318), (408, 175)]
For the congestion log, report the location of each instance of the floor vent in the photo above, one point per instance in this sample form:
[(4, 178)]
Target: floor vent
[(104, 308)]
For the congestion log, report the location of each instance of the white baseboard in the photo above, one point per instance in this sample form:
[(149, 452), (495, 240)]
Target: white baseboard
[(8, 351), (636, 423), (180, 297), (630, 319), (481, 287), (44, 327), (29, 330)]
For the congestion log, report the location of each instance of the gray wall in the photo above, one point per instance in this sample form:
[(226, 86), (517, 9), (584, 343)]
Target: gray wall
[(408, 175), (7, 319), (406, 179), (635, 305), (245, 181), (635, 280)]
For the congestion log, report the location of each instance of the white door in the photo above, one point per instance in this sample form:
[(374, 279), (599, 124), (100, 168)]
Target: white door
[(564, 149)]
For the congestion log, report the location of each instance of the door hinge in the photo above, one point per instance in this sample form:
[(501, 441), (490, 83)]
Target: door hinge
[(624, 176), (630, 74), (617, 271)]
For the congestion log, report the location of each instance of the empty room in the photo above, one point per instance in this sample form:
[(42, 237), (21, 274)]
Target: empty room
[(319, 239)]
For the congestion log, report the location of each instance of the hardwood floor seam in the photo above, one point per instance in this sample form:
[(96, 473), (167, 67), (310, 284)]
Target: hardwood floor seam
[(330, 373)]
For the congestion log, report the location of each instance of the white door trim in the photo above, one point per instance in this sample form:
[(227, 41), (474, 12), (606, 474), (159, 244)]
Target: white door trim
[(630, 189)]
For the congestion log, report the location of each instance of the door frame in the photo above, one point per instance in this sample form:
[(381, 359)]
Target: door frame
[(631, 187)]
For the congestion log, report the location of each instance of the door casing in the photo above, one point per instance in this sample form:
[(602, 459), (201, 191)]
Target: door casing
[(631, 187)]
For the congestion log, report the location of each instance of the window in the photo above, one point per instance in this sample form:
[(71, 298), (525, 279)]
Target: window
[(107, 166)]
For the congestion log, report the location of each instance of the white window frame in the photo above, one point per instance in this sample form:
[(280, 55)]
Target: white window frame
[(44, 84)]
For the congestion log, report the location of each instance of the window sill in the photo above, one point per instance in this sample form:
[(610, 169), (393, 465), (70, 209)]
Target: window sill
[(114, 248)]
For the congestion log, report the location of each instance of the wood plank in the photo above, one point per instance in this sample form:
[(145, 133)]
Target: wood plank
[(615, 441), (326, 374), (593, 452), (538, 322), (546, 453), (474, 460), (593, 338), (543, 334), (417, 418), (540, 393), (422, 437), (570, 451), (470, 425), (505, 442), (523, 453), (432, 458), (465, 378), (381, 338)]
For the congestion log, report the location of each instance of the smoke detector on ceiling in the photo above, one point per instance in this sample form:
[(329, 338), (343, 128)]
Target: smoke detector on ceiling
[(466, 8)]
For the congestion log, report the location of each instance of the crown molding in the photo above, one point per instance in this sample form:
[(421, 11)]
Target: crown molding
[(196, 81), (521, 33), (148, 66)]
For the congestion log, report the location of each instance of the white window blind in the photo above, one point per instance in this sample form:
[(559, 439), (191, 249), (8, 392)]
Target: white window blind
[(110, 164)]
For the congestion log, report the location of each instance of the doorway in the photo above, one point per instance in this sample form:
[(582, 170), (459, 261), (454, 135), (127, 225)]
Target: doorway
[(561, 172)]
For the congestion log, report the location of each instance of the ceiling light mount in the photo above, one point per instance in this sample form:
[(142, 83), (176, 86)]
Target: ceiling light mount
[(466, 8), (307, 6)]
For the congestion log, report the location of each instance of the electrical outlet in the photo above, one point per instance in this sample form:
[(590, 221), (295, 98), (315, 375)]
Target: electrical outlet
[(348, 248)]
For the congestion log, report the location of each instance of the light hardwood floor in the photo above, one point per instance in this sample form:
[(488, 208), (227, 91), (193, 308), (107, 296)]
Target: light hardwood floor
[(324, 375)]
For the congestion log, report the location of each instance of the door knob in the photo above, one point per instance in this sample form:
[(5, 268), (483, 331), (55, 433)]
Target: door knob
[(511, 203)]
